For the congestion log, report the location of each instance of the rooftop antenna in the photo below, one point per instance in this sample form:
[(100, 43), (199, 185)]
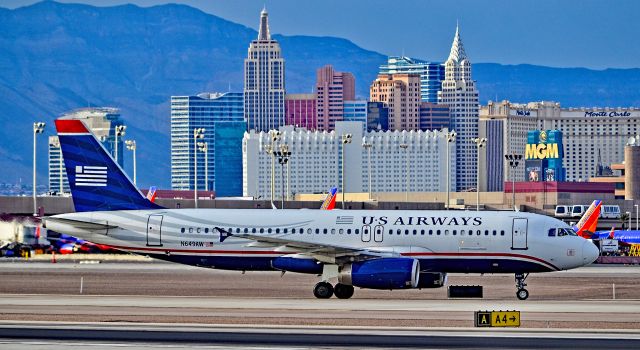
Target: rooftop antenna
[(229, 90)]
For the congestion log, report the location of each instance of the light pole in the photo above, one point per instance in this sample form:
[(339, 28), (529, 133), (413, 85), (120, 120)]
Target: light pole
[(38, 128), (636, 205), (204, 148), (480, 142), (283, 158), (629, 216), (131, 146), (346, 139), (514, 160), (270, 149), (404, 146), (198, 133), (451, 137), (120, 130), (368, 146)]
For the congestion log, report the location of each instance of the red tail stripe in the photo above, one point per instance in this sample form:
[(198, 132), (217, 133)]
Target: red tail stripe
[(70, 126)]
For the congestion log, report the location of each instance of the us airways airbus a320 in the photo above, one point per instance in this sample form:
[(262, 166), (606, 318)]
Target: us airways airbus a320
[(375, 249)]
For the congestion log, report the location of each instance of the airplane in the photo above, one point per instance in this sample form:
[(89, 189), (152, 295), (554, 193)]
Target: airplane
[(586, 228), (376, 249)]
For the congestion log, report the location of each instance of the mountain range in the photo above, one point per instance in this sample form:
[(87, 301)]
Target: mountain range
[(57, 57)]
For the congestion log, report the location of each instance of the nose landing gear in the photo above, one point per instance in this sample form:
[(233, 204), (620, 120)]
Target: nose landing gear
[(521, 293)]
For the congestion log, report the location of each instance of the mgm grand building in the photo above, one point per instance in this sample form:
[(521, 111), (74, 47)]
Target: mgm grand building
[(593, 139)]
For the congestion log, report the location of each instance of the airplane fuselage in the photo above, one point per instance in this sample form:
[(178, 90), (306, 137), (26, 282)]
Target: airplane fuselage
[(443, 241)]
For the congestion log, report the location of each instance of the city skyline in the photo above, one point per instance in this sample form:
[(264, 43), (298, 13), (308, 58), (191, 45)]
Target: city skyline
[(578, 33)]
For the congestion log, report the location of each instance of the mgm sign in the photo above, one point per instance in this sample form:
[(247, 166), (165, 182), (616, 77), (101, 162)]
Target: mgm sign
[(543, 156)]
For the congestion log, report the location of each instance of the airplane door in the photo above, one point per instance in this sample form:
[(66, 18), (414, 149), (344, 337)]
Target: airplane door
[(366, 233), (378, 233), (519, 234), (154, 230)]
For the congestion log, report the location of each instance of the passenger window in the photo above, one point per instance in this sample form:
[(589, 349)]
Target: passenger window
[(341, 231), (486, 232), (253, 230), (430, 232), (446, 232), (390, 231), (198, 230), (415, 232), (324, 231), (182, 230), (406, 232), (552, 232), (438, 232), (269, 230), (502, 233), (357, 231), (190, 229), (317, 231), (348, 231), (261, 230), (308, 231), (479, 232), (461, 232), (333, 231), (399, 231), (285, 230), (246, 230), (422, 232), (494, 232), (206, 230)]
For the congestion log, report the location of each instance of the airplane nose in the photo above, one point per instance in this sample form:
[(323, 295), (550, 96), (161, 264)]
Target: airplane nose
[(589, 252)]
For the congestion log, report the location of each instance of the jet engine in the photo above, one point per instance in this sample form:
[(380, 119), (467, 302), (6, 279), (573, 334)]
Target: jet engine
[(385, 273)]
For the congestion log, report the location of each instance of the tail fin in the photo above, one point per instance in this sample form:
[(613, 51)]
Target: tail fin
[(589, 221), (330, 202), (97, 183), (612, 233), (151, 194)]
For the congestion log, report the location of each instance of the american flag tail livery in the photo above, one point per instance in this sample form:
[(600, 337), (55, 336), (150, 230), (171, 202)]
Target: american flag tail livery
[(330, 202), (589, 221), (97, 183), (152, 194)]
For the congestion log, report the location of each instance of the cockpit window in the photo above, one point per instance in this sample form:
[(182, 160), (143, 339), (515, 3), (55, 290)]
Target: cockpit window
[(552, 232), (564, 232)]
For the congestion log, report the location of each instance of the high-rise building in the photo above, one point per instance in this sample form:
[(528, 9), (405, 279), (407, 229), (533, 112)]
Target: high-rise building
[(400, 161), (431, 74), (401, 95), (377, 116), (355, 111), (460, 93), (264, 81), (300, 110), (221, 115), (592, 138), (332, 89), (102, 122), (434, 116)]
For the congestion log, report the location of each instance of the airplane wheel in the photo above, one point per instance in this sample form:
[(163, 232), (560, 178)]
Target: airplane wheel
[(522, 294), (323, 290), (343, 291)]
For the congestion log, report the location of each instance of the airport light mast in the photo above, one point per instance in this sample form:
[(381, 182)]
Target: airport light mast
[(514, 160), (38, 128), (204, 148), (346, 139), (131, 146), (368, 146), (120, 131), (451, 137), (198, 133), (480, 142), (283, 158)]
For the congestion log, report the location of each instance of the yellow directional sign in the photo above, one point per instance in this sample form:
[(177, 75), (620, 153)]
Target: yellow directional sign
[(497, 318)]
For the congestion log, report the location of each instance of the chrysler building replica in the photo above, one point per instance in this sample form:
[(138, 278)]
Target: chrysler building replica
[(264, 81), (460, 93)]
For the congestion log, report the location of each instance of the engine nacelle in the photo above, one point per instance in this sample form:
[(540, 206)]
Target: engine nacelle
[(432, 280), (385, 273), (297, 264)]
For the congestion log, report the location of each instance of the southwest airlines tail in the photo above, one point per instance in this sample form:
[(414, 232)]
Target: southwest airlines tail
[(97, 183), (589, 221), (330, 202)]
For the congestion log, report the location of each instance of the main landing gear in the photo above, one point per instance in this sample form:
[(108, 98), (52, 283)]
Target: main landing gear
[(521, 293), (324, 290)]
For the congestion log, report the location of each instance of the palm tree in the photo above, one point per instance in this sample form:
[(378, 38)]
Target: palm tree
[(624, 218)]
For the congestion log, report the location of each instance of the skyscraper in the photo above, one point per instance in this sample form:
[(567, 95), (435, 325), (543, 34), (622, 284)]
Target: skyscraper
[(431, 74), (222, 118), (301, 110), (264, 81), (332, 89), (460, 93), (400, 93)]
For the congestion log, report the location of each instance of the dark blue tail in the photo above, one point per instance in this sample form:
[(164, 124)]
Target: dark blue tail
[(97, 183)]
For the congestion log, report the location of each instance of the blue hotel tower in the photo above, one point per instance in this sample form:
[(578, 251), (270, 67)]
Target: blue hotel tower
[(431, 74), (222, 117)]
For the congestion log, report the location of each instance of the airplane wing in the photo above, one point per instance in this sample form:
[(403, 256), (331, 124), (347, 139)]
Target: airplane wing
[(320, 251)]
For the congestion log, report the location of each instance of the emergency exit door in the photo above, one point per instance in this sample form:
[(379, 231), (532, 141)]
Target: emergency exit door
[(154, 230), (519, 234)]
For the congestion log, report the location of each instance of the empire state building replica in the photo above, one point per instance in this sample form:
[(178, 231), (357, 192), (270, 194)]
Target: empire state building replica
[(460, 93), (264, 81)]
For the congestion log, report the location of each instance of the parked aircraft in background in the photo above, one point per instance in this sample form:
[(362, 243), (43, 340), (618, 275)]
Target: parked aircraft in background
[(330, 202), (378, 249)]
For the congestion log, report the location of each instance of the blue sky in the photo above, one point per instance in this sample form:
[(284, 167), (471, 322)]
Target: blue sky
[(570, 33)]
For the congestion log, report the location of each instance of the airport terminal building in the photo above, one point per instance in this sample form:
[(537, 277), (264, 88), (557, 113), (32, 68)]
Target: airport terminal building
[(593, 138), (400, 160)]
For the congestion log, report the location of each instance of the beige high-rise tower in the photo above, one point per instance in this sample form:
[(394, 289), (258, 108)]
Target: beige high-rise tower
[(401, 94)]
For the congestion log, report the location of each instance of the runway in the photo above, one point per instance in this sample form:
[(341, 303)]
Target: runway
[(565, 305)]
